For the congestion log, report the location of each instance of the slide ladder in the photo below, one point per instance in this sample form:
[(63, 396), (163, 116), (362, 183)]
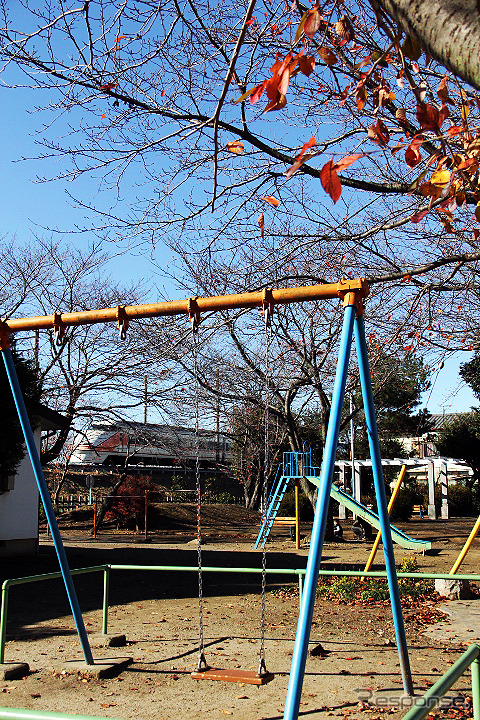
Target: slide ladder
[(274, 501)]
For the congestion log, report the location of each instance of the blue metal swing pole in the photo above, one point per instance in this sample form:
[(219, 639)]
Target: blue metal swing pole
[(297, 671), (47, 503), (372, 432)]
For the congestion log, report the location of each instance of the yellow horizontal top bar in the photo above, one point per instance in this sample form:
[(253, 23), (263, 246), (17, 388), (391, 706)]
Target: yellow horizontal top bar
[(279, 296)]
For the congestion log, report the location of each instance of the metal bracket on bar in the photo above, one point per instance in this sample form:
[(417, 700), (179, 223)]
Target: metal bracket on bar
[(193, 313), (58, 328), (353, 294), (123, 322), (268, 306)]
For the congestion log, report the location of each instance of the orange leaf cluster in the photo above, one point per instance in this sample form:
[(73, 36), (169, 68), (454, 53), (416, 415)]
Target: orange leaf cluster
[(277, 85)]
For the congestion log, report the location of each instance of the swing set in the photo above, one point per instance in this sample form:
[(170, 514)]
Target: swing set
[(352, 293)]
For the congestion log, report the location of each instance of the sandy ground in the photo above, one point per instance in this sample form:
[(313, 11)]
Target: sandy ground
[(356, 675)]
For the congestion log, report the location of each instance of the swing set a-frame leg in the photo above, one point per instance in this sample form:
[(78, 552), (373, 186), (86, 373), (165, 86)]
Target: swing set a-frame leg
[(297, 671), (47, 503)]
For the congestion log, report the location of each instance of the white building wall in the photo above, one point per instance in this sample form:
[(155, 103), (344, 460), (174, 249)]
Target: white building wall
[(19, 510)]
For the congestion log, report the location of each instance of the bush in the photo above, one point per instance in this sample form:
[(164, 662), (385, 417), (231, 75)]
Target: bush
[(352, 590), (129, 509), (403, 506), (287, 506), (461, 501)]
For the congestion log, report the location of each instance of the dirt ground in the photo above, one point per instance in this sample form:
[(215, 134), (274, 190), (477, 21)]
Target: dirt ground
[(354, 675)]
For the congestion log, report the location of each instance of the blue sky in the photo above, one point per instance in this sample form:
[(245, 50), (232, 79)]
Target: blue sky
[(28, 207)]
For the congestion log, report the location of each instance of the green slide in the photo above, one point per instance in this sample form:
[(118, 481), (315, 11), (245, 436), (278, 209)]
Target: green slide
[(372, 518)]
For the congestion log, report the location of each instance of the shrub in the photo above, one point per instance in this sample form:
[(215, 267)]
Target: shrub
[(129, 509), (461, 501), (408, 565), (403, 506), (351, 589), (287, 506)]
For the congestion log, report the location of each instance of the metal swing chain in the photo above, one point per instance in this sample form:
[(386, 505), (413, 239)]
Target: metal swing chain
[(262, 668), (202, 663)]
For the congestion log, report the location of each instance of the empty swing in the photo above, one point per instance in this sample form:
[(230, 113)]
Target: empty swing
[(204, 671)]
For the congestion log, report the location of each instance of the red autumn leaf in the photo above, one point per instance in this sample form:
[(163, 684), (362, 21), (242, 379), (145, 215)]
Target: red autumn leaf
[(344, 28), (378, 133), (163, 93), (361, 94), (251, 21), (454, 130), (328, 57), (468, 163), (272, 200), (306, 65), (443, 114), (312, 22), (277, 85), (300, 159), (256, 93), (347, 161), (442, 92), (419, 216), (261, 223), (330, 180), (429, 117), (412, 153)]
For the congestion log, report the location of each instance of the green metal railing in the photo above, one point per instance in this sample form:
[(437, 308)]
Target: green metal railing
[(424, 705), (47, 576), (7, 713), (299, 573)]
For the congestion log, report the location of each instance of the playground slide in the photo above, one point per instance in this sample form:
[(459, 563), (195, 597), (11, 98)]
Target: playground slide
[(372, 518)]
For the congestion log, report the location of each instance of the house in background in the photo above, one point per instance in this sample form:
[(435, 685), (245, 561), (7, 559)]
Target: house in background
[(19, 497), (424, 445)]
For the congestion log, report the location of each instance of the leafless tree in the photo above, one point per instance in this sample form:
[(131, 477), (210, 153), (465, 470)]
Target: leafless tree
[(89, 374), (151, 93)]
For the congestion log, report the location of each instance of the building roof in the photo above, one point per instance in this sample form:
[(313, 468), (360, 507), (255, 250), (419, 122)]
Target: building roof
[(441, 419), (51, 419)]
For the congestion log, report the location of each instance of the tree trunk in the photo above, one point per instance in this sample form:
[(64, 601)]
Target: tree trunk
[(448, 30), (108, 501), (58, 489)]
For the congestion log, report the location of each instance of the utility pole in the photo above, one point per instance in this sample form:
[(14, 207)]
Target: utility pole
[(217, 415), (145, 399), (36, 342)]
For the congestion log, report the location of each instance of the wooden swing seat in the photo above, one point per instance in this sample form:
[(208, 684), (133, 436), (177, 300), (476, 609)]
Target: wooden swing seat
[(250, 677)]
